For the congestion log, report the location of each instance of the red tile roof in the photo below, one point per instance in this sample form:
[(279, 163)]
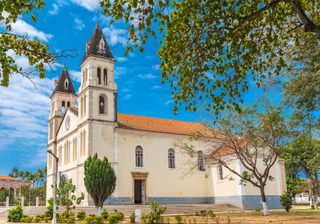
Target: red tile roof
[(144, 123), (7, 178)]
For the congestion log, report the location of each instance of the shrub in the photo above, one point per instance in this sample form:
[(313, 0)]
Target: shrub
[(81, 215), (178, 219), (38, 219), (104, 213), (211, 214), (286, 202), (49, 210), (115, 218), (132, 218), (66, 217), (155, 215), (94, 219), (15, 214), (26, 219)]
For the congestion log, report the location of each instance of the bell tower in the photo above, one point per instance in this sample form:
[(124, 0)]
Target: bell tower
[(98, 91), (63, 96)]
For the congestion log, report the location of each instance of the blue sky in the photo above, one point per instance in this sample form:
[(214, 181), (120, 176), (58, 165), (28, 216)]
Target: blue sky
[(67, 24)]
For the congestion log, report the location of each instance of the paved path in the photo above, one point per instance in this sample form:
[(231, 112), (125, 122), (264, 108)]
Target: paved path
[(128, 209)]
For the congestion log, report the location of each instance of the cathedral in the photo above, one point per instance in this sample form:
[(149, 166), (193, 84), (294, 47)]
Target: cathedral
[(141, 149)]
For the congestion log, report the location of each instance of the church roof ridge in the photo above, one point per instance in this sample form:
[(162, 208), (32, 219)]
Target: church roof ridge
[(162, 125), (60, 83), (95, 47)]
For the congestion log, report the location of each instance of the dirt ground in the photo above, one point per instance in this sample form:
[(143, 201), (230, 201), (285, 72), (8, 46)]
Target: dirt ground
[(297, 215)]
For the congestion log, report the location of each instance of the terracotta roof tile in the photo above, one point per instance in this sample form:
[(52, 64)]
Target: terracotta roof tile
[(7, 178), (144, 123)]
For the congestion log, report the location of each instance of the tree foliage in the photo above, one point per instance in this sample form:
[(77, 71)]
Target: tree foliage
[(66, 194), (255, 138), (11, 44), (211, 50), (100, 179)]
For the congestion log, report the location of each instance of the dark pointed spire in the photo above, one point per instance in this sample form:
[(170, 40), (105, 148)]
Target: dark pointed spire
[(64, 83), (97, 46)]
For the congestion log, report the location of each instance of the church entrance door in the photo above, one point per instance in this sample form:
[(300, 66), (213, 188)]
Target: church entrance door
[(137, 191)]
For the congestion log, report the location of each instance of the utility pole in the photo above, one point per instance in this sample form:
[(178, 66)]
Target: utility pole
[(54, 216)]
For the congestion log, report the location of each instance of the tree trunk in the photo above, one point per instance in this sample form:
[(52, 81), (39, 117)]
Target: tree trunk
[(99, 211), (264, 201)]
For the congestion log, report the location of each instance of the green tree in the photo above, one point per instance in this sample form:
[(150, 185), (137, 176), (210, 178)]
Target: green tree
[(99, 179), (36, 52), (255, 138), (66, 194), (3, 194), (211, 50)]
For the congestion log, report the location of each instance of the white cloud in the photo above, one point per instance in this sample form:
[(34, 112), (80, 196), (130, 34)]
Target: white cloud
[(54, 10), (79, 24), (168, 102), (119, 71), (115, 36), (156, 87), (121, 59), (22, 28), (156, 67), (90, 5), (75, 75), (147, 76), (24, 110)]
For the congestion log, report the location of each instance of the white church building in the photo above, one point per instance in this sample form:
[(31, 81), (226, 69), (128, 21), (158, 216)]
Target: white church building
[(141, 149)]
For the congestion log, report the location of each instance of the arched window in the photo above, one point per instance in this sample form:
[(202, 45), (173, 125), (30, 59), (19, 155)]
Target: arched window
[(63, 107), (201, 161), (102, 104), (68, 104), (105, 77), (171, 158), (99, 75), (139, 156), (101, 46), (66, 84)]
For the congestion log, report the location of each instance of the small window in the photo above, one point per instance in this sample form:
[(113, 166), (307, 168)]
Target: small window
[(105, 77), (171, 158), (66, 84), (63, 108), (102, 47), (103, 104), (68, 104), (220, 172), (139, 156), (99, 76), (201, 161)]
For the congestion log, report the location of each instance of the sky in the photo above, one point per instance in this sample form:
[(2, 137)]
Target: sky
[(66, 25)]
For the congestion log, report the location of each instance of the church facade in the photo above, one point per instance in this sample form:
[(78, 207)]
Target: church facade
[(141, 149)]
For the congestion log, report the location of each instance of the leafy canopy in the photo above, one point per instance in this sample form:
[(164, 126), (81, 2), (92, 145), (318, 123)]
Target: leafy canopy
[(211, 50), (12, 45), (99, 179)]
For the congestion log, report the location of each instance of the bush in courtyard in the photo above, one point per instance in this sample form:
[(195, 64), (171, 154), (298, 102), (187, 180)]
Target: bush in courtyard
[(104, 213), (132, 218), (115, 218), (66, 217), (178, 219), (15, 214), (38, 219), (26, 219), (81, 215), (49, 210), (94, 219), (286, 201), (155, 214)]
